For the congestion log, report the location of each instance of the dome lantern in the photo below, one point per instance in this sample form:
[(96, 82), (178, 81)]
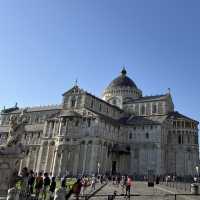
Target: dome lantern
[(123, 72)]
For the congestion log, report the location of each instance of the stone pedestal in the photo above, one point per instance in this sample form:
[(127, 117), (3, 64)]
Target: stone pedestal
[(9, 167)]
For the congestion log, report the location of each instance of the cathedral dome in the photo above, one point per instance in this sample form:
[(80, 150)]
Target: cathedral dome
[(121, 90), (122, 81)]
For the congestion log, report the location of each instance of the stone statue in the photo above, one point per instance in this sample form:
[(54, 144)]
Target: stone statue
[(13, 144), (11, 153)]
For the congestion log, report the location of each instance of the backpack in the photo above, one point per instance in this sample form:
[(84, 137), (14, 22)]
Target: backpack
[(39, 182)]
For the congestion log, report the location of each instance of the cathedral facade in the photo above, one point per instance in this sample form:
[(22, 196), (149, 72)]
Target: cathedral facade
[(122, 132)]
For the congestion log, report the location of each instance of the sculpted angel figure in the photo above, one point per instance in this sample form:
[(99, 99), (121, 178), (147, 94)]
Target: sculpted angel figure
[(16, 131)]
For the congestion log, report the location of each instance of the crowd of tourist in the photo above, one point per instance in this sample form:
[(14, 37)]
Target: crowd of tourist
[(43, 185)]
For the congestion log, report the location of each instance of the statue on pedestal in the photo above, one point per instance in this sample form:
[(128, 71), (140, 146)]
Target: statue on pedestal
[(13, 144), (12, 152)]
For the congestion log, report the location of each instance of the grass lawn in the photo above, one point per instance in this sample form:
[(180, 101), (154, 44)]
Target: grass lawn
[(69, 183)]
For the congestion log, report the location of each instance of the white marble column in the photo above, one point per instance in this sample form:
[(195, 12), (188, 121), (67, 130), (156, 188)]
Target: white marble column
[(56, 162), (84, 158), (47, 157), (93, 161)]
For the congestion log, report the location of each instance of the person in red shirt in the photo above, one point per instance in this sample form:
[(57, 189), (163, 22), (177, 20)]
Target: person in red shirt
[(128, 186)]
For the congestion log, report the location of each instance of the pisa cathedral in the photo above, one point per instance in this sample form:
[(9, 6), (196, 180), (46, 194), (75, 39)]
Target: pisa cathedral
[(122, 132)]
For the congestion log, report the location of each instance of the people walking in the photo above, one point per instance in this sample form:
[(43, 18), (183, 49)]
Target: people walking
[(38, 184), (128, 186), (93, 183), (46, 184), (52, 188), (31, 181)]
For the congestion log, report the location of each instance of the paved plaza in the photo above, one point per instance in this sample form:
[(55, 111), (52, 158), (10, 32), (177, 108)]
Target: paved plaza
[(159, 192)]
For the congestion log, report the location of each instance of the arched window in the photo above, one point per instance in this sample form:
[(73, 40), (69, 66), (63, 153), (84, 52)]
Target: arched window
[(73, 102), (130, 135), (114, 102), (147, 135), (143, 110), (77, 123), (89, 122), (179, 139), (92, 104), (154, 108)]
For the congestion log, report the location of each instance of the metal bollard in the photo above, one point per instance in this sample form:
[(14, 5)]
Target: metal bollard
[(13, 194)]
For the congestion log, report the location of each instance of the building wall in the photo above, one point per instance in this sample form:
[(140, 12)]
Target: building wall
[(66, 144)]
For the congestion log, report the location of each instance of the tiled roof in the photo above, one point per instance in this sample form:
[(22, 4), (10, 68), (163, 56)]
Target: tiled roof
[(148, 98), (137, 120), (35, 109), (69, 113), (177, 115)]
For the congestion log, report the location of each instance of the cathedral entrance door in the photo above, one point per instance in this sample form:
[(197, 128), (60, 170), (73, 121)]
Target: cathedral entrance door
[(114, 167)]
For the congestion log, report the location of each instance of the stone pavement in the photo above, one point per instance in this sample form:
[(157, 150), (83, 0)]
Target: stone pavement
[(159, 192), (89, 191)]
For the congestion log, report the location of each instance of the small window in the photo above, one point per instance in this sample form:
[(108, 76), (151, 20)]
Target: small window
[(114, 102), (99, 107), (77, 123), (183, 124), (92, 104), (143, 110), (154, 109), (36, 119), (188, 137), (130, 135), (179, 139), (178, 124), (147, 135), (73, 103), (89, 122)]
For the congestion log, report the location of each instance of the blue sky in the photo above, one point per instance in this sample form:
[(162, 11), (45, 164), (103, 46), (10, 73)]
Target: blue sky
[(45, 45)]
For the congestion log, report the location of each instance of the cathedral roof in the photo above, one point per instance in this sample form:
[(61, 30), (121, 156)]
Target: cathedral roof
[(69, 113), (36, 109), (122, 81), (137, 120), (177, 115), (148, 98)]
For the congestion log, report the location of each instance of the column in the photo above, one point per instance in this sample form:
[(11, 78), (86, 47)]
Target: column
[(56, 161), (93, 161), (76, 160), (36, 159), (28, 157), (47, 158), (41, 149), (45, 131), (84, 157), (60, 166)]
